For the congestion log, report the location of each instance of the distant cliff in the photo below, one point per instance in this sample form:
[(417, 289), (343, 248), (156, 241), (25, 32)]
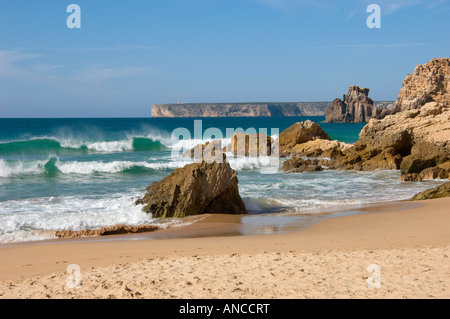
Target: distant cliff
[(240, 109)]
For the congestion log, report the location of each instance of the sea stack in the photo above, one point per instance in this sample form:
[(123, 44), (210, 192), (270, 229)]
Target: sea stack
[(356, 106)]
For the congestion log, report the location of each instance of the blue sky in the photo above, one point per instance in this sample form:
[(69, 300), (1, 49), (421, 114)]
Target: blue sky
[(131, 54)]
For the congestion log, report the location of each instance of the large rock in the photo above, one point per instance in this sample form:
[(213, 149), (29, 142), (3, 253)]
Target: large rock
[(356, 106), (437, 192), (298, 133), (199, 188), (244, 144), (429, 82)]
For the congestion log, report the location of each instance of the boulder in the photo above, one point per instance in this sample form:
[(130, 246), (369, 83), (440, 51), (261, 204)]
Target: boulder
[(198, 188), (298, 133), (244, 144), (437, 192)]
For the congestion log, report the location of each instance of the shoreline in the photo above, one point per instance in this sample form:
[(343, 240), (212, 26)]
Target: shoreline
[(223, 225), (425, 225)]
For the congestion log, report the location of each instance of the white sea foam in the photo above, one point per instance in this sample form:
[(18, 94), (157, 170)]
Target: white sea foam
[(11, 169), (27, 220), (114, 146)]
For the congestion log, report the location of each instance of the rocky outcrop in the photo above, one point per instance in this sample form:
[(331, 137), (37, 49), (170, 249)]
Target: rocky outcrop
[(356, 106), (299, 133), (244, 144), (240, 109), (199, 188), (321, 148), (424, 155), (437, 192), (300, 165), (416, 139), (429, 82)]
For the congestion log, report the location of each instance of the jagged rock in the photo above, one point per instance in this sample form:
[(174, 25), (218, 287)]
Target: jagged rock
[(244, 144), (321, 148), (298, 133), (198, 188), (200, 151), (356, 106), (429, 82), (299, 165), (437, 192)]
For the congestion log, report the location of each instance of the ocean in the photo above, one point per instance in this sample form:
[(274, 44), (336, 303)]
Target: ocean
[(75, 174)]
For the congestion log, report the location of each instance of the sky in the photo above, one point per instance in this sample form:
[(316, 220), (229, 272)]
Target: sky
[(131, 54)]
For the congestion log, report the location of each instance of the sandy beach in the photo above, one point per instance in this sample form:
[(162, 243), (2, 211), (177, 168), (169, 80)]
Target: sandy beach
[(330, 259)]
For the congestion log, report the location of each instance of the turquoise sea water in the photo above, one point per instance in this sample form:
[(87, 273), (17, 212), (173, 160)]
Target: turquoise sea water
[(86, 173)]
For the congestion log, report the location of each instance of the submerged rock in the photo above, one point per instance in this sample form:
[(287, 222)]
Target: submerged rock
[(198, 188), (437, 192)]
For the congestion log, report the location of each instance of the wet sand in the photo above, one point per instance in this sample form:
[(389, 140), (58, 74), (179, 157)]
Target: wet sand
[(209, 259)]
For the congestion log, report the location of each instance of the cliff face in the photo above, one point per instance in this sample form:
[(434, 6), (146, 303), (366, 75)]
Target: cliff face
[(356, 106), (240, 109), (429, 82)]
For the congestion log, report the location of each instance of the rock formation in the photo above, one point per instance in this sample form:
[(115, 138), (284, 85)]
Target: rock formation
[(199, 188), (429, 82), (437, 192), (299, 133), (356, 106), (320, 148), (244, 144), (416, 139)]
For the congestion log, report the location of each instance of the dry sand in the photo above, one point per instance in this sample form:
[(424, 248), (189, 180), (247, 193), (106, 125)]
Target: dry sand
[(327, 260)]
